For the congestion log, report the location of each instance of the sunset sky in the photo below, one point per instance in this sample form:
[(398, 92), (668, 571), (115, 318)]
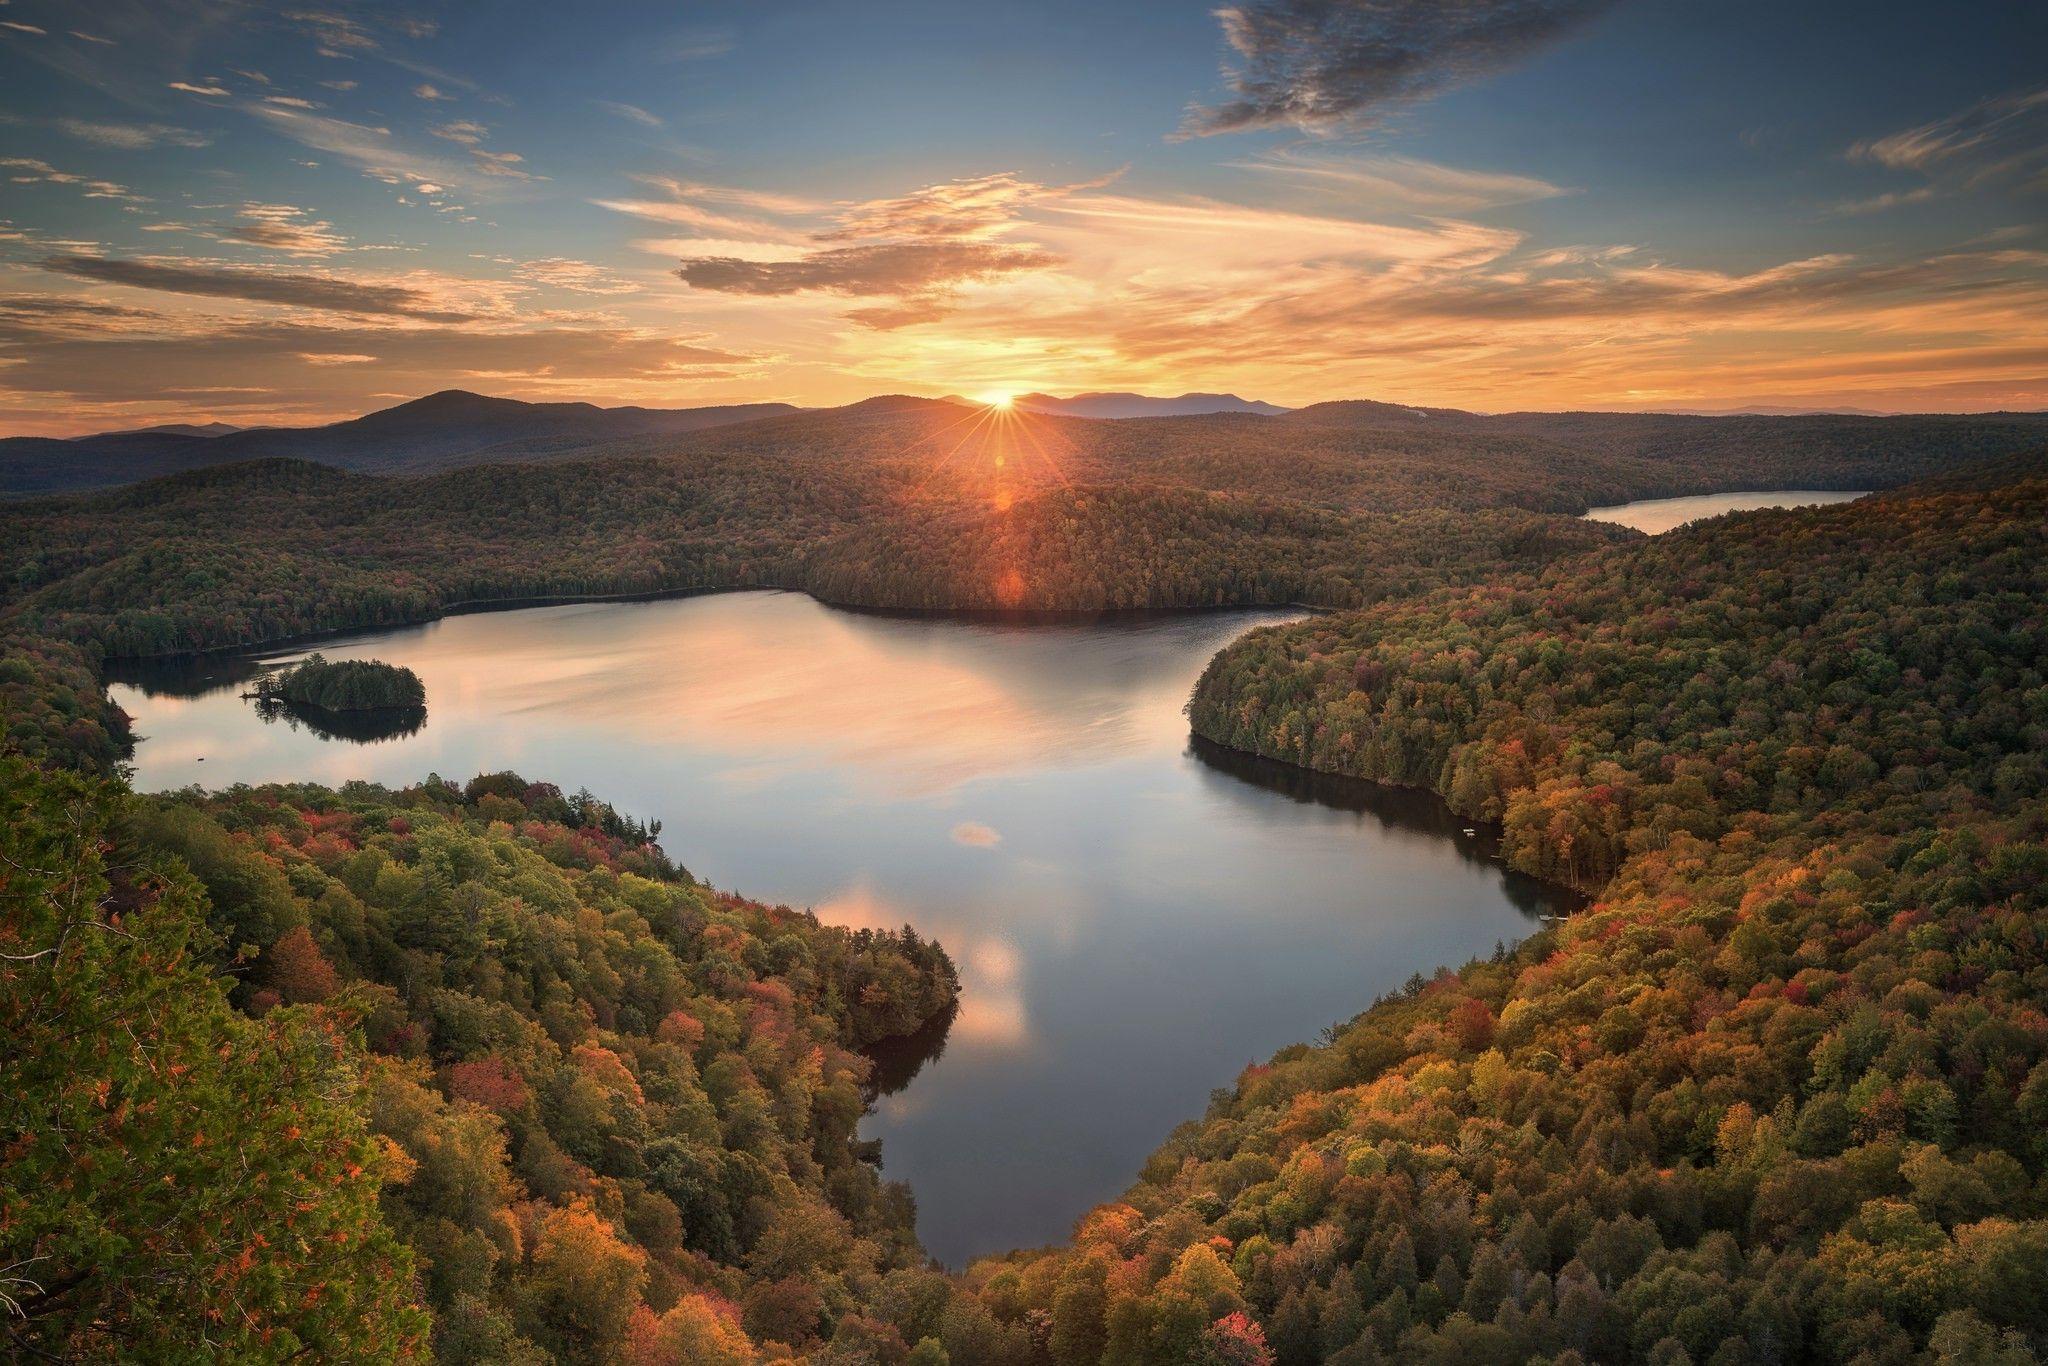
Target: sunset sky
[(284, 213)]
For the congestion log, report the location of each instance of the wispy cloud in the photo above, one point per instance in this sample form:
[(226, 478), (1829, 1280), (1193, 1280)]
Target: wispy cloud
[(130, 137), (293, 289), (686, 204), (377, 153), (1322, 65), (1402, 182), (578, 277), (1999, 141), (33, 171), (696, 45), (976, 208), (630, 112), (337, 35)]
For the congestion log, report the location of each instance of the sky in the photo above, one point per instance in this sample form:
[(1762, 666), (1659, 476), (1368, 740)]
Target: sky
[(289, 213)]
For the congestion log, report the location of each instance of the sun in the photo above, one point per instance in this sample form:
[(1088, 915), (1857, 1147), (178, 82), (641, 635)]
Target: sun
[(1000, 398)]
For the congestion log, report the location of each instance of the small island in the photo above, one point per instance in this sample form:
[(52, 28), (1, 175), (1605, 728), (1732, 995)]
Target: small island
[(343, 685)]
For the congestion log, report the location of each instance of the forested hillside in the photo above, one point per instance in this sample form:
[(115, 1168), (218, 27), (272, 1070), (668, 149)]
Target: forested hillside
[(611, 1112), (258, 552), (1778, 1094), (896, 503)]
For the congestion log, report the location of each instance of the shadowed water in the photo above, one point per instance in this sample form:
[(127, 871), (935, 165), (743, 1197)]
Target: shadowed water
[(1136, 916)]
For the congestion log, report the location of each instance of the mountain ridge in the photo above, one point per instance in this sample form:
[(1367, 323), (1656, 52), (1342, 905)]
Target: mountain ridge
[(454, 428)]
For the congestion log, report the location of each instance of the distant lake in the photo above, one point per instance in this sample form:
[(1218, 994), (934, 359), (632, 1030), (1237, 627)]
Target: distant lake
[(1656, 515), (1135, 918)]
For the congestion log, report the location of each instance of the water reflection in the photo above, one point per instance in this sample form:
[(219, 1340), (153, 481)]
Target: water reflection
[(1134, 919), (898, 1061), (1395, 809), (363, 726)]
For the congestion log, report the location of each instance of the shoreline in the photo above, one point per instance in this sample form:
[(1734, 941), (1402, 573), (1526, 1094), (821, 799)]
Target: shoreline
[(1026, 616)]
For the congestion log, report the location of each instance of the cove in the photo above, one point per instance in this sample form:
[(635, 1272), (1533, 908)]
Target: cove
[(1655, 516), (1136, 915)]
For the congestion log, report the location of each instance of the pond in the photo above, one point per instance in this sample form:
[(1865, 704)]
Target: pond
[(1656, 515), (1135, 917)]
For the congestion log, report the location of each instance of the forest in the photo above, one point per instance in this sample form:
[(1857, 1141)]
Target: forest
[(910, 504), (1777, 1094), (530, 1091)]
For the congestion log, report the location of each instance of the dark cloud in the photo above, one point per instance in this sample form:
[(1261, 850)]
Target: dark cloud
[(326, 292), (900, 268), (38, 317), (1322, 64)]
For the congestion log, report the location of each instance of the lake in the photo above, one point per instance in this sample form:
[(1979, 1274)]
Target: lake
[(1655, 515), (1135, 918)]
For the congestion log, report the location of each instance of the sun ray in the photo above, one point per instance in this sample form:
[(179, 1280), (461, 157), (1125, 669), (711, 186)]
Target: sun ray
[(1051, 463), (983, 417)]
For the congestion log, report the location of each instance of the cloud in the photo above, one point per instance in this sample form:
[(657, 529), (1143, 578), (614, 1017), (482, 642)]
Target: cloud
[(380, 156), (30, 29), (697, 46), (336, 34), (281, 227), (685, 207), (1999, 141), (980, 207), (428, 91), (504, 164), (47, 315), (912, 268), (130, 137), (975, 835), (631, 112), (1324, 65), (916, 249), (325, 292), (210, 91), (468, 132), (33, 171), (580, 277), (1403, 182)]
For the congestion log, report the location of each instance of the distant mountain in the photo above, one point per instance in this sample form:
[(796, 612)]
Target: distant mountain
[(1365, 412), (440, 431), (170, 429), (1777, 410), (1114, 405), (1601, 457)]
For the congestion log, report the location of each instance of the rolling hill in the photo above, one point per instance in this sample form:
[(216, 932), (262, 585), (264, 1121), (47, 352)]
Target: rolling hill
[(440, 431), (1123, 405)]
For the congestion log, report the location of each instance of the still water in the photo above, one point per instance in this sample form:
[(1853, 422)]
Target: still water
[(1135, 918), (1656, 515)]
